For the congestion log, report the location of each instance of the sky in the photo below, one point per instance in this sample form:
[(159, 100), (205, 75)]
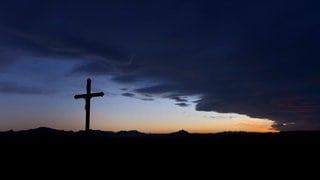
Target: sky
[(201, 66)]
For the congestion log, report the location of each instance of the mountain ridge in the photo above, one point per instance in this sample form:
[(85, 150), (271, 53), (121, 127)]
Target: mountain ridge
[(44, 129)]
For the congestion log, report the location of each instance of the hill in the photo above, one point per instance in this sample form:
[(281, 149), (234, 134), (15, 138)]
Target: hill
[(135, 150), (47, 136)]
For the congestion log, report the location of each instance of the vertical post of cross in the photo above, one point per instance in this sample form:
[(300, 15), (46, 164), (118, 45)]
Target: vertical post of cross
[(87, 106)]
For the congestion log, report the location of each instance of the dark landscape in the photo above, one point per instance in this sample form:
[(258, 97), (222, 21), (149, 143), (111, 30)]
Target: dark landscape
[(44, 136), (179, 152)]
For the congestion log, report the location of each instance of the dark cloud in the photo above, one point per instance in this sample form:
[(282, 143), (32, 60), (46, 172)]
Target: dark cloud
[(45, 45), (132, 95), (7, 57), (97, 68), (13, 88), (258, 58), (182, 104), (156, 89), (125, 78), (178, 98), (39, 29), (181, 101), (148, 95), (128, 94), (147, 99)]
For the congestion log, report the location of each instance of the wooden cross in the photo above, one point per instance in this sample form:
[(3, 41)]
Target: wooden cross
[(87, 97)]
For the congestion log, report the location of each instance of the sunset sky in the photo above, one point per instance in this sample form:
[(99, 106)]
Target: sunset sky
[(201, 66)]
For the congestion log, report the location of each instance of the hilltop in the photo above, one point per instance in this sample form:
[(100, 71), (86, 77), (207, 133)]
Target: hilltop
[(47, 136), (130, 148)]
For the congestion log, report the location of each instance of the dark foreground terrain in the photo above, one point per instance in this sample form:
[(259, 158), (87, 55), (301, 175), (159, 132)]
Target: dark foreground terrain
[(230, 154), (46, 137), (177, 141)]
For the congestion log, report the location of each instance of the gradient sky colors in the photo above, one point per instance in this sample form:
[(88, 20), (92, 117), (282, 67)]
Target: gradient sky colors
[(163, 65)]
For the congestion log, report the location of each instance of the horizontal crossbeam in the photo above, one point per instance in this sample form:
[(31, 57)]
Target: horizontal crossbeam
[(78, 96), (84, 96), (96, 94)]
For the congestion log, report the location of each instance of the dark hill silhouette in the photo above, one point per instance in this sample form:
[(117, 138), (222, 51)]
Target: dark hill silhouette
[(180, 133), (134, 149), (44, 135), (43, 130), (131, 133)]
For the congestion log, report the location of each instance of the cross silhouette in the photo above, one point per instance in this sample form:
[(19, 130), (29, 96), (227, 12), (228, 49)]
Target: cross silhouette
[(88, 97)]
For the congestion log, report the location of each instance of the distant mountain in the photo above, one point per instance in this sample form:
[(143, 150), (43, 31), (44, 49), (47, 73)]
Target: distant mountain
[(45, 135), (44, 130), (180, 133), (95, 133), (131, 133)]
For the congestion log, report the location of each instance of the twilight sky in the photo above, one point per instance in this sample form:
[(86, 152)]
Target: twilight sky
[(202, 66)]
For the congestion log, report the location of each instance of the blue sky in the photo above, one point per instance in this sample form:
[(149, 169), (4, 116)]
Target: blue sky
[(165, 65)]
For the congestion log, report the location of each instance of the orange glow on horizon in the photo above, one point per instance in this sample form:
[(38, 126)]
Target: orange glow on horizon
[(203, 125)]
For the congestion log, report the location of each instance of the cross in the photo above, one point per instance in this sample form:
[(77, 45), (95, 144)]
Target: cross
[(87, 97)]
